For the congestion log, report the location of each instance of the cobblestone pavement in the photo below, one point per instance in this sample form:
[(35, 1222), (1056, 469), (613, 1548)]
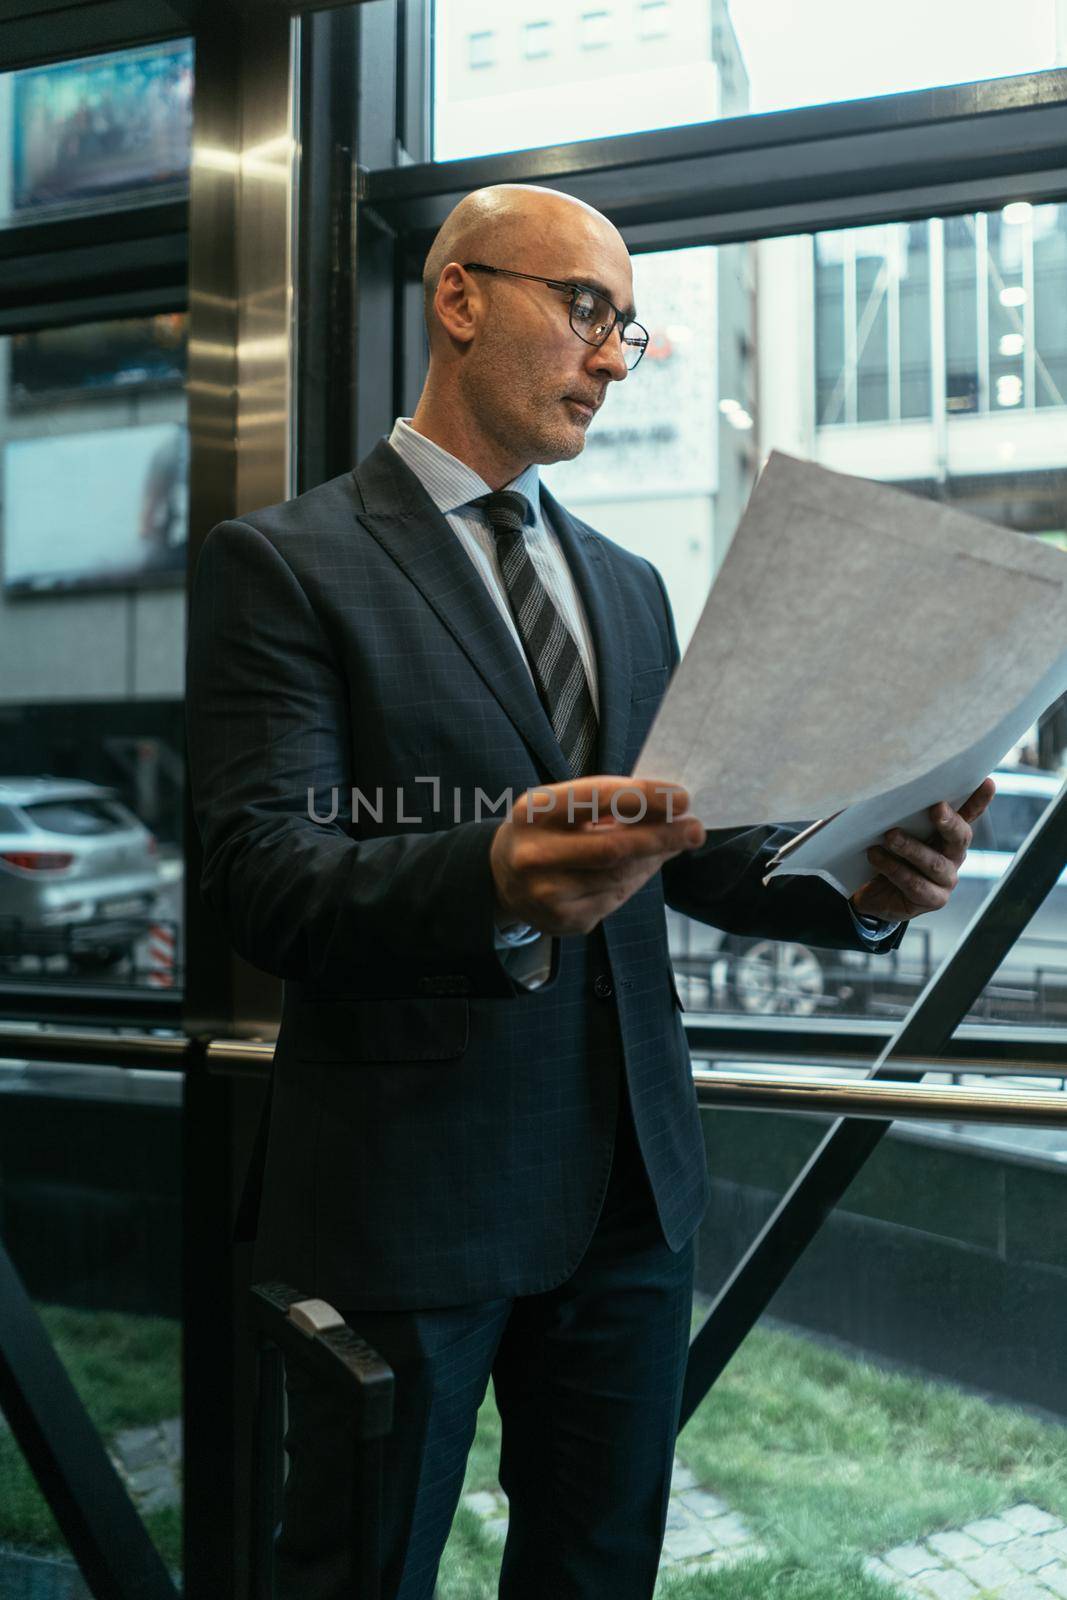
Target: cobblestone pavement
[(1020, 1554), (149, 1461), (702, 1531)]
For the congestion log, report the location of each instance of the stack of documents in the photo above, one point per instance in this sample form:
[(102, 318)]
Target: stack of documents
[(863, 654)]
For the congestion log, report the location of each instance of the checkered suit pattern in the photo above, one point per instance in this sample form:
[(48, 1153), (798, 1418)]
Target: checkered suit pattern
[(438, 1135)]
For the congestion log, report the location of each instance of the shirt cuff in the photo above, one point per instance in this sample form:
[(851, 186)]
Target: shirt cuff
[(514, 935), (529, 963)]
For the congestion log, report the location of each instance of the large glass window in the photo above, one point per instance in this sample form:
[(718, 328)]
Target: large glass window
[(826, 348), (894, 1425), (90, 1216), (94, 468), (665, 64)]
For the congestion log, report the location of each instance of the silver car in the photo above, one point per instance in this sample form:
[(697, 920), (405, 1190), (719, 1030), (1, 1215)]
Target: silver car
[(79, 874), (723, 972)]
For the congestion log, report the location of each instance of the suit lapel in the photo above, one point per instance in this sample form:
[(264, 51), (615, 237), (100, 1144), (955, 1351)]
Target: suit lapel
[(400, 515), (591, 569)]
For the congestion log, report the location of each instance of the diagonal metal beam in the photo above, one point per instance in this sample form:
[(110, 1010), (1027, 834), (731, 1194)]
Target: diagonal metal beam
[(923, 1034), (67, 1457)]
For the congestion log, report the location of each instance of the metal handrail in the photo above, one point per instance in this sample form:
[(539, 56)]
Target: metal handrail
[(881, 1101), (770, 1091), (159, 1052), (730, 1036)]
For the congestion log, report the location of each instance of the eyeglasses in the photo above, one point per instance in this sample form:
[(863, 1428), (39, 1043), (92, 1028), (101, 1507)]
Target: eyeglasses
[(593, 317)]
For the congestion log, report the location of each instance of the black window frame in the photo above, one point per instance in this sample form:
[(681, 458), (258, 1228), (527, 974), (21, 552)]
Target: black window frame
[(921, 153)]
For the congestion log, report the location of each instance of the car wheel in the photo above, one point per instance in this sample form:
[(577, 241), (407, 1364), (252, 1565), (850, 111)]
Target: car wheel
[(772, 977)]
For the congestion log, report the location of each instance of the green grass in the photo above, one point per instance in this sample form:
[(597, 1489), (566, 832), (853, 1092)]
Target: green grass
[(127, 1371), (829, 1460)]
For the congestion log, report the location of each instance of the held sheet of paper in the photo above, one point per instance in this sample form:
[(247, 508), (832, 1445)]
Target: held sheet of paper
[(863, 654)]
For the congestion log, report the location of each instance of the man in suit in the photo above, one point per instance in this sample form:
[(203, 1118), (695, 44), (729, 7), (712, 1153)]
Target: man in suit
[(484, 1145)]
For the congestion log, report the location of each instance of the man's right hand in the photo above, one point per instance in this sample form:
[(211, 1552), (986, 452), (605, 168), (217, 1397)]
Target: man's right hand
[(561, 872)]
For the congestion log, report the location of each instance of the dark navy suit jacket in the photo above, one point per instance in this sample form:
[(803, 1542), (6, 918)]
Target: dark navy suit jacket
[(438, 1134)]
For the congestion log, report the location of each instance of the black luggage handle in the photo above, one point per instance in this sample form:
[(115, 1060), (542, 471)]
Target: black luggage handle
[(314, 1336)]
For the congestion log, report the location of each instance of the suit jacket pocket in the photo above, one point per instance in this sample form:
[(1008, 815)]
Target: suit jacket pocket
[(382, 1030), (648, 684)]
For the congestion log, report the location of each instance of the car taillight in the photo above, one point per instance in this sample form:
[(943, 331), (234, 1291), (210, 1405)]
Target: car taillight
[(37, 860)]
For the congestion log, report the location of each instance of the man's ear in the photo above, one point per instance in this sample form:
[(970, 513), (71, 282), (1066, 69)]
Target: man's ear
[(456, 303)]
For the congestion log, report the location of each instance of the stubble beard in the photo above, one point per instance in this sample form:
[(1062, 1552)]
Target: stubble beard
[(525, 419)]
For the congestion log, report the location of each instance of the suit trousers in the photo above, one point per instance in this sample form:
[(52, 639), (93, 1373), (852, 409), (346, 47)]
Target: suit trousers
[(588, 1381)]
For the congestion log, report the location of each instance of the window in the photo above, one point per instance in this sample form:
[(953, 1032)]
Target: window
[(92, 613), (536, 40), (596, 29), (1049, 247), (1012, 817), (583, 89), (77, 816), (480, 49), (653, 19), (716, 60), (827, 50), (94, 167), (1000, 327)]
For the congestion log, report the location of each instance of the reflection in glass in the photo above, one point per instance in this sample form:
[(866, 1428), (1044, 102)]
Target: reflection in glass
[(54, 364), (133, 519), (93, 452), (86, 131)]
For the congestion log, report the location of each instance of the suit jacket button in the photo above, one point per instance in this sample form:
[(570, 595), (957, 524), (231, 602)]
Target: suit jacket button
[(602, 986)]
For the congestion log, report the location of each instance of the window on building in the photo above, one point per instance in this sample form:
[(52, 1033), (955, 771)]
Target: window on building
[(1000, 327), (961, 251), (1050, 303), (537, 40), (568, 95), (595, 29), (480, 48), (653, 19)]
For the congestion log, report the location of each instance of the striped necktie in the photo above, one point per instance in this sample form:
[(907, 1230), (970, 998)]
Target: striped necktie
[(550, 649)]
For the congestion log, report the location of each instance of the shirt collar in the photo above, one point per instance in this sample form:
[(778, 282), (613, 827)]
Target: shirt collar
[(449, 482)]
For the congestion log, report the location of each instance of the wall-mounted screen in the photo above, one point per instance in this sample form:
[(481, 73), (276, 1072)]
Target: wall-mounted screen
[(111, 124), (102, 509), (134, 353)]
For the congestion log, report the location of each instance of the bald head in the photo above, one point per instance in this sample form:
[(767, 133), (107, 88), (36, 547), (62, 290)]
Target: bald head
[(512, 379), (513, 225)]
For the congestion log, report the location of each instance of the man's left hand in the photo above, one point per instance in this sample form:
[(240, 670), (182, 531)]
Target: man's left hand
[(913, 876)]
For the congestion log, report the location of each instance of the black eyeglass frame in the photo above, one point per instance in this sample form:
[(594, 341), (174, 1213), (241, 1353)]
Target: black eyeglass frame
[(575, 289)]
